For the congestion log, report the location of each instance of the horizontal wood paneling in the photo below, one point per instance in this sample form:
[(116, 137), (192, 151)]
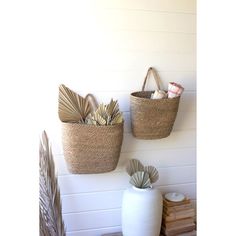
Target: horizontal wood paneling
[(122, 19), (168, 42), (174, 67), (96, 201), (120, 180), (92, 220), (93, 183), (182, 6), (117, 64), (127, 76), (177, 139), (185, 120), (92, 201), (133, 79), (117, 80), (93, 232), (161, 158), (108, 44)]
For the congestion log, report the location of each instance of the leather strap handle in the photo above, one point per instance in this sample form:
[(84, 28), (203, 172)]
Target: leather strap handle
[(155, 75)]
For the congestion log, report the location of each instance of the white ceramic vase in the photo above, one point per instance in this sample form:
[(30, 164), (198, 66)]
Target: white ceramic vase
[(141, 212)]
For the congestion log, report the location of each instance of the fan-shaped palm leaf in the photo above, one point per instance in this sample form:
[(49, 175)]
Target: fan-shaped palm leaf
[(133, 166), (140, 179), (72, 107), (153, 173)]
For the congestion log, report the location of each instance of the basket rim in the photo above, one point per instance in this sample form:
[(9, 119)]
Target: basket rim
[(94, 126), (149, 99)]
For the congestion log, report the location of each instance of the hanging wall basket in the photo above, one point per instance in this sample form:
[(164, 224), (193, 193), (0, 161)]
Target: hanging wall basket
[(89, 148), (152, 118)]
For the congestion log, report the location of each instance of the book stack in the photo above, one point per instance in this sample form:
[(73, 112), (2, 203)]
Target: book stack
[(178, 218)]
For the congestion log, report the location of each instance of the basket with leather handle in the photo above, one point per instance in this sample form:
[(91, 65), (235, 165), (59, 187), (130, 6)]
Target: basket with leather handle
[(89, 148), (152, 118)]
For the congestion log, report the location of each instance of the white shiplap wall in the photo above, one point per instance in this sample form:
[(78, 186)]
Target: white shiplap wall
[(105, 47)]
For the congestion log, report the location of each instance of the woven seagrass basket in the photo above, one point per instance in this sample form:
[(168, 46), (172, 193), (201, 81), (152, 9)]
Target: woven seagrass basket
[(152, 118), (90, 149)]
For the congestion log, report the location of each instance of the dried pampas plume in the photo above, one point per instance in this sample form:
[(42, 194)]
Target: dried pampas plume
[(51, 222)]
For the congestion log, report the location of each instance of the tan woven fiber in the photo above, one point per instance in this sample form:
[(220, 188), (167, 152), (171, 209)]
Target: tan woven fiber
[(91, 149), (152, 118)]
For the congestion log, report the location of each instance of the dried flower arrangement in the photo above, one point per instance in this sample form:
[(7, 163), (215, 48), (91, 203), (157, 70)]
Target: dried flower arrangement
[(50, 212), (141, 176), (76, 109)]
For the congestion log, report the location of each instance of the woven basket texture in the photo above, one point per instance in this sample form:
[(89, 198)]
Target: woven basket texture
[(90, 149), (152, 118)]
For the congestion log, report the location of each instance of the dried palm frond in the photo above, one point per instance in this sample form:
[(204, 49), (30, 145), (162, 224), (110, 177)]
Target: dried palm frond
[(96, 119), (134, 166), (117, 119), (141, 176), (114, 113), (112, 108), (140, 179), (106, 114), (51, 222), (72, 107), (44, 230), (153, 173)]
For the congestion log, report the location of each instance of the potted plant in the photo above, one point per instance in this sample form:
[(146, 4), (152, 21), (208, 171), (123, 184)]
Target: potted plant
[(142, 203)]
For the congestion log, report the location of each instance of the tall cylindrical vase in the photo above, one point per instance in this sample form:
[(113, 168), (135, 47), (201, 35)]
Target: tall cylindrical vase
[(141, 212)]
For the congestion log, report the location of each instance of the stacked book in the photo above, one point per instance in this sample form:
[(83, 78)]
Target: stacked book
[(178, 218)]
